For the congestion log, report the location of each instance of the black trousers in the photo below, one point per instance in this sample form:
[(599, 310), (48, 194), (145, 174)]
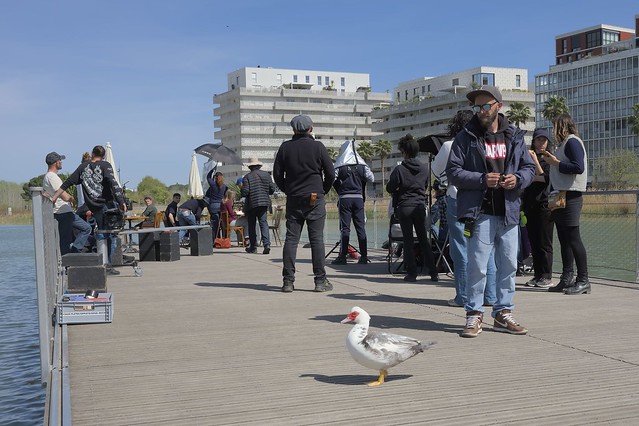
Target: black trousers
[(352, 209), (572, 250), (409, 217), (299, 212), (540, 229)]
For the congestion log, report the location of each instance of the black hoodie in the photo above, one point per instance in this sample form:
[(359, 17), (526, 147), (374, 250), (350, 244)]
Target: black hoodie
[(407, 183)]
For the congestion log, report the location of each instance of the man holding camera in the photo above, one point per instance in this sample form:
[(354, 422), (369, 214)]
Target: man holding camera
[(490, 165), (103, 196)]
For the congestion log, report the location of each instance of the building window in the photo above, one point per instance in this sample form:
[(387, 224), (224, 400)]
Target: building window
[(308, 79), (254, 77), (610, 37), (319, 80), (484, 79), (415, 91), (429, 88), (423, 89), (398, 97), (237, 80), (343, 81), (406, 95), (593, 39), (327, 81), (564, 45), (455, 82), (517, 80), (279, 78), (294, 79)]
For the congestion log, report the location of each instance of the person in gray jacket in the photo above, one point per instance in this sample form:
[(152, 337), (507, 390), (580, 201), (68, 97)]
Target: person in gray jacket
[(490, 165), (257, 186)]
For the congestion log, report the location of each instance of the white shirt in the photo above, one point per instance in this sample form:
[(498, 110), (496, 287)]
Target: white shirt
[(438, 167), (51, 184)]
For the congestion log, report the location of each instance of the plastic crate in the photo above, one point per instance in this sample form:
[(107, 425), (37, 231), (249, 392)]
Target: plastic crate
[(79, 310)]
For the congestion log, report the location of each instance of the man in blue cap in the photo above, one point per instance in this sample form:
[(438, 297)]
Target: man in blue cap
[(304, 171)]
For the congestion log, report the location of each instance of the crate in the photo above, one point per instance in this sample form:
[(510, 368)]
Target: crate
[(85, 311)]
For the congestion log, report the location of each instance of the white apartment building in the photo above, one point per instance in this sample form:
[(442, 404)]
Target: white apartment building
[(597, 73), (424, 106), (253, 116)]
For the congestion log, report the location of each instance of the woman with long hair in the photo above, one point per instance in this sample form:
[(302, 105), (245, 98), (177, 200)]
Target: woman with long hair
[(215, 194), (568, 173)]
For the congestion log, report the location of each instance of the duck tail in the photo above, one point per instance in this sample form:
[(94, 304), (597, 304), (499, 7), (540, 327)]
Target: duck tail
[(426, 345)]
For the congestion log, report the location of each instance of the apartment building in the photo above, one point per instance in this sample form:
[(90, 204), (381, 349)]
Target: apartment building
[(600, 83), (253, 115), (425, 105)]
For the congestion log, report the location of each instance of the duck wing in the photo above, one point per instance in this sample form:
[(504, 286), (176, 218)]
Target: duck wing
[(393, 348)]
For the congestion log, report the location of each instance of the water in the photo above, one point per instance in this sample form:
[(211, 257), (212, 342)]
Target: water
[(21, 393)]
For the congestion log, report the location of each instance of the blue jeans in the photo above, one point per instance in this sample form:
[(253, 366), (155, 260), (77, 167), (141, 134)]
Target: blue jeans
[(83, 231), (185, 218), (458, 252), (100, 219), (490, 234)]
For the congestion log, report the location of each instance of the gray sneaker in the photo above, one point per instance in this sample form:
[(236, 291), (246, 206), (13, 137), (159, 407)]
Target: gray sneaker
[(323, 286), (544, 283), (532, 283), (288, 287)]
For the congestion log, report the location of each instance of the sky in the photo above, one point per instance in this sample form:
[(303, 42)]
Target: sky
[(141, 74)]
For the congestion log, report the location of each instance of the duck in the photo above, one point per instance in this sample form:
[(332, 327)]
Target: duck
[(378, 350)]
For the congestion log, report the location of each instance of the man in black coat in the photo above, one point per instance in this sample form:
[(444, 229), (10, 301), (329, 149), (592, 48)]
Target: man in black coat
[(257, 186)]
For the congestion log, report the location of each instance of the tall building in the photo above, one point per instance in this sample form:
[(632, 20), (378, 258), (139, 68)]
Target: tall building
[(600, 83), (424, 106), (253, 116)]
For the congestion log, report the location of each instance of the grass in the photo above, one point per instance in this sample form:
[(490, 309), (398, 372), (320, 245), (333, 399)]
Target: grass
[(20, 218)]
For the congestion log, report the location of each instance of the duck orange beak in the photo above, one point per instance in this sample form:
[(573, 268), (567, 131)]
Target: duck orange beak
[(350, 317)]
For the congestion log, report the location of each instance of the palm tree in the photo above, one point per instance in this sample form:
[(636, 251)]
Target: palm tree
[(553, 107), (518, 113), (365, 150), (633, 120), (333, 153), (383, 149)]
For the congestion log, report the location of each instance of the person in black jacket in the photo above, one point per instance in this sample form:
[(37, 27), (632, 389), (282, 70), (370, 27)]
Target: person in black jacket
[(351, 175), (304, 171), (407, 185), (257, 186)]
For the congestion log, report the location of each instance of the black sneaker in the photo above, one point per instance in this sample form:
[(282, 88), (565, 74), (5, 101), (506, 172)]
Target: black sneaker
[(323, 286), (267, 250), (251, 250), (288, 287), (110, 270), (363, 260), (410, 278), (339, 260)]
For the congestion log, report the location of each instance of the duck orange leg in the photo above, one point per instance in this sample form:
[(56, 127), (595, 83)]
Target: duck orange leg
[(380, 379)]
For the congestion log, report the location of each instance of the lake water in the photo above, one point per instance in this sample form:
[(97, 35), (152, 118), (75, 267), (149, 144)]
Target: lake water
[(21, 393)]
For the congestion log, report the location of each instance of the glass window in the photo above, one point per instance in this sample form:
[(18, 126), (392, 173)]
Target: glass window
[(307, 79), (319, 80), (517, 80), (406, 95), (254, 77), (455, 82), (294, 78), (343, 81), (327, 81), (610, 36), (484, 79), (593, 39), (279, 78)]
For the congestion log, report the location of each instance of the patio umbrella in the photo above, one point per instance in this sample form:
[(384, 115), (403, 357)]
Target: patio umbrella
[(219, 153), (195, 183), (108, 157)]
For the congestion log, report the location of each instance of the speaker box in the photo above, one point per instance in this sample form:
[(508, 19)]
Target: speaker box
[(81, 259), (149, 246), (169, 246)]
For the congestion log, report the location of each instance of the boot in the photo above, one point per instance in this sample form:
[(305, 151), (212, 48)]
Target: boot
[(566, 280), (582, 285)]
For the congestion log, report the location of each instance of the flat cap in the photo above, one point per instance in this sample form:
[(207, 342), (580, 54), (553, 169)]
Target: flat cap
[(301, 123)]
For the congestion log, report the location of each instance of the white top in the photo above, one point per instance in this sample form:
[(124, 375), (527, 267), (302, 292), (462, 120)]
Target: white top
[(438, 166), (51, 184)]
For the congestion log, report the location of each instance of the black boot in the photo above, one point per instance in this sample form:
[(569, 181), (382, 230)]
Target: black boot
[(566, 280), (582, 285)]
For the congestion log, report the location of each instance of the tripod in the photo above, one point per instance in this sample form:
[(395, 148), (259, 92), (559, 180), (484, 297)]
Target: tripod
[(350, 246)]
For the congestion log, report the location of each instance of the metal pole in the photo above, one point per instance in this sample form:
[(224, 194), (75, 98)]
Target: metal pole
[(637, 237)]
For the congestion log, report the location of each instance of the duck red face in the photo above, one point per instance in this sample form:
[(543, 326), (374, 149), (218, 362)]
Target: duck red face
[(350, 317)]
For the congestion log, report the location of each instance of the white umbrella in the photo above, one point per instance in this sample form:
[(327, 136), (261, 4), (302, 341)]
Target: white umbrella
[(195, 183), (108, 157)]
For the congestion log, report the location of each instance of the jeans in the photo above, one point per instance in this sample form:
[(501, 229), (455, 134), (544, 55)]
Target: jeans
[(258, 214), (83, 231), (299, 212), (100, 219), (490, 234), (185, 218), (458, 252)]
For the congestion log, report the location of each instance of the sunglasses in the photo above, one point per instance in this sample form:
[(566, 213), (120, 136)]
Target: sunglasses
[(484, 107)]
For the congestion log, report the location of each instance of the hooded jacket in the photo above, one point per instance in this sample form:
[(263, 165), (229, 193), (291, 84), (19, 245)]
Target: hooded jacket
[(407, 183), (466, 169)]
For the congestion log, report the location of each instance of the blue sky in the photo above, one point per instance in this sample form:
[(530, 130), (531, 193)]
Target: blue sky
[(141, 74)]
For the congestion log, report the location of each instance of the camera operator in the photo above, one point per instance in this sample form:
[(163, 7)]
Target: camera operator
[(103, 197)]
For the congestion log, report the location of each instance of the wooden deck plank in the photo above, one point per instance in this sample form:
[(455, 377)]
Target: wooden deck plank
[(211, 340)]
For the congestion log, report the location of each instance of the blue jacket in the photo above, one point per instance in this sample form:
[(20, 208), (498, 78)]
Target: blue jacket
[(466, 169)]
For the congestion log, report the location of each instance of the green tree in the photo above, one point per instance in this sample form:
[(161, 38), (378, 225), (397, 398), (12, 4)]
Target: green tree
[(620, 167), (633, 120), (518, 113), (333, 153), (152, 187), (383, 149), (553, 107), (365, 150)]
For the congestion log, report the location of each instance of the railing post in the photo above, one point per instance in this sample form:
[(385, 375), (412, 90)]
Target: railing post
[(637, 237)]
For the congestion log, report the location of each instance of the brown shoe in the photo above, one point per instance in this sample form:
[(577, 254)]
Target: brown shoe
[(473, 324), (505, 323)]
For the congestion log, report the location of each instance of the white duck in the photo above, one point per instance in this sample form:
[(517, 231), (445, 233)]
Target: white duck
[(378, 350)]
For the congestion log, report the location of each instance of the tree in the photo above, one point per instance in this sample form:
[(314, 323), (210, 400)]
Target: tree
[(365, 150), (518, 113), (620, 167), (383, 149), (553, 107), (152, 187), (633, 120), (333, 153)]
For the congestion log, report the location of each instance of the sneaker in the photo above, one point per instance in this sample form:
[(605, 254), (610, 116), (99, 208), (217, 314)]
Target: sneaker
[(434, 277), (532, 283), (110, 270), (451, 302), (339, 260), (267, 250), (410, 278), (363, 260), (505, 323), (544, 283), (288, 287), (323, 286), (473, 324), (251, 250)]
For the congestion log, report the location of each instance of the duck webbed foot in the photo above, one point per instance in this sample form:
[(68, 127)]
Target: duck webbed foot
[(380, 379)]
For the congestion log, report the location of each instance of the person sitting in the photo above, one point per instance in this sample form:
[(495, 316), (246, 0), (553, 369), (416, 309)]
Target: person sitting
[(236, 218), (189, 214), (170, 214), (149, 212)]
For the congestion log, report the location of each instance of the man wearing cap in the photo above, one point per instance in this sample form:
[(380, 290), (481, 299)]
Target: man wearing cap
[(63, 210), (304, 171), (490, 166), (101, 192), (257, 186)]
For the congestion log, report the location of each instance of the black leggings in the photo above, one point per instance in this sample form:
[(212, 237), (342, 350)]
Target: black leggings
[(572, 250)]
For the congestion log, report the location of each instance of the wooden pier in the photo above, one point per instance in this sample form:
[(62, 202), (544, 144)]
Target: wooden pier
[(212, 341)]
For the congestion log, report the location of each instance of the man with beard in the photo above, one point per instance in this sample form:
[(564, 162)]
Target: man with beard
[(490, 166)]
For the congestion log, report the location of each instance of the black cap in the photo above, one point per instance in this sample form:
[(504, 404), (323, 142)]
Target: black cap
[(540, 132), (301, 123), (53, 157), (485, 90)]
